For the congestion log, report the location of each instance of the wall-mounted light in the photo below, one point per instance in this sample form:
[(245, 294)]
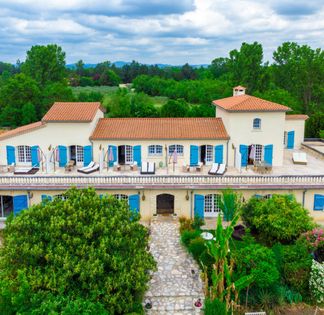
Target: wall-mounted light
[(100, 147), (50, 148), (143, 196), (187, 195), (30, 194)]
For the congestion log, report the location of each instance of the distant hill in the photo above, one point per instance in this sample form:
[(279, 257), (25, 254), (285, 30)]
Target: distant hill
[(120, 64)]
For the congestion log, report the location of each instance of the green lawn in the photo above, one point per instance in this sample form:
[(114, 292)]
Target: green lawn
[(102, 89), (159, 100)]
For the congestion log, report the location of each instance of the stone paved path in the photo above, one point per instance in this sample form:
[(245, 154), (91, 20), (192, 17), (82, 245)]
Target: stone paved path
[(173, 289)]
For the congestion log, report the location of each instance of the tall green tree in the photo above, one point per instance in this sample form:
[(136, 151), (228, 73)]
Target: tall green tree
[(45, 64), (28, 113), (175, 108)]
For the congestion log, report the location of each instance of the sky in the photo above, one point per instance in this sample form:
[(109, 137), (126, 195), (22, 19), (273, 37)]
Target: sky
[(156, 31)]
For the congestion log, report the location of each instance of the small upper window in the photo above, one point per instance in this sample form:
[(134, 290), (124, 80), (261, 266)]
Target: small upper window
[(256, 123)]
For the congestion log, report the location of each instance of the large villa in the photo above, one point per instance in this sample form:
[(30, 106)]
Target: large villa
[(163, 165)]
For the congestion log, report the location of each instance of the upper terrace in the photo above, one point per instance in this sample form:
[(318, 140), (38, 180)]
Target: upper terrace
[(287, 176)]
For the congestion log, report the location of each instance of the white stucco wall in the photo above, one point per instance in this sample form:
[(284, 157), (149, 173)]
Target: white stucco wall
[(297, 125), (53, 133), (239, 126)]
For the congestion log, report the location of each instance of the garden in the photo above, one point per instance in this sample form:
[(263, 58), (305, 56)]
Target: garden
[(271, 261)]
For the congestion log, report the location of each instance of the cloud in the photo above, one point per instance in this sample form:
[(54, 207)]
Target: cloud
[(156, 31)]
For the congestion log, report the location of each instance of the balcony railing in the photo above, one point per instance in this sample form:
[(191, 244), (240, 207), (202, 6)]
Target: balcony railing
[(152, 181)]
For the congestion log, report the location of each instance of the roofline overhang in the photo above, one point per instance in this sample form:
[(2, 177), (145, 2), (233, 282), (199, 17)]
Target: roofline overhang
[(67, 121), (148, 139), (3, 136), (252, 111)]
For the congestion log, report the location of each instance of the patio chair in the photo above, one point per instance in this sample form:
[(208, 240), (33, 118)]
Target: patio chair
[(133, 166), (299, 158), (88, 170), (213, 169), (11, 168), (116, 166), (69, 166), (221, 170), (185, 167), (199, 166)]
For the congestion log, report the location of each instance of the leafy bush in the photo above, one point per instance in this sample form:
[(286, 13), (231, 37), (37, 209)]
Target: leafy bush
[(215, 307), (197, 223), (278, 219), (188, 235), (83, 255), (315, 243), (316, 281), (197, 247), (296, 267)]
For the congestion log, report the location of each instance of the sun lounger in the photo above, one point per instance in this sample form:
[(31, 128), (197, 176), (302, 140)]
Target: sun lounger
[(213, 169), (148, 168), (26, 170), (299, 158), (221, 170), (92, 167)]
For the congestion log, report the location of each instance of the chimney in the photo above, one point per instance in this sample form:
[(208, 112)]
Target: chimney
[(239, 90)]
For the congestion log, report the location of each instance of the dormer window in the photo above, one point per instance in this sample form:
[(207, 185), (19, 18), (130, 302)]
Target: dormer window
[(256, 123)]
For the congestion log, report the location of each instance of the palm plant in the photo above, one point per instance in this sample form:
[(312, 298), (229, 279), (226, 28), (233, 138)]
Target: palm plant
[(230, 204)]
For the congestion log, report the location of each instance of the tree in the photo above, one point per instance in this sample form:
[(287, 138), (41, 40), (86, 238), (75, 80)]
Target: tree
[(45, 64), (119, 104), (28, 113), (175, 108), (246, 67), (143, 106), (79, 67), (315, 125), (219, 67), (230, 204), (86, 254), (110, 78)]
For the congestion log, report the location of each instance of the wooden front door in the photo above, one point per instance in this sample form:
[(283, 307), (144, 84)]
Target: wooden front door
[(165, 204)]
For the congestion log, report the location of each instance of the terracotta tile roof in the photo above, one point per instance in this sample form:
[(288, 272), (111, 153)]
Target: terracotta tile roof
[(248, 103), (72, 111), (160, 128), (294, 117), (22, 130)]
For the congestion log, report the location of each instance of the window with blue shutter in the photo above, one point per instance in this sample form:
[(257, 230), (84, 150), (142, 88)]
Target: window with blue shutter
[(62, 155), (268, 153), (137, 154), (318, 202), (134, 203), (87, 155), (35, 155), (194, 155), (20, 203), (199, 201), (219, 154), (113, 149), (290, 139), (11, 158), (244, 154), (46, 198)]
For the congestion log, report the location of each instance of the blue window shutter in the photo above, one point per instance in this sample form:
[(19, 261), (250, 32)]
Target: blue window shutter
[(34, 155), (290, 139), (194, 155), (219, 154), (258, 196), (20, 203), (318, 202), (114, 151), (87, 155), (199, 205), (137, 154), (268, 153), (11, 158), (244, 154), (62, 155), (46, 197), (134, 203)]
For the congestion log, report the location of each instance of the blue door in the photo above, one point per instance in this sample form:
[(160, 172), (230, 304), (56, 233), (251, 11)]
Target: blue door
[(35, 155), (11, 158), (318, 202), (219, 154), (87, 155), (62, 155), (20, 203), (268, 153), (134, 203), (199, 201), (194, 152), (244, 154), (137, 154), (113, 149), (290, 139)]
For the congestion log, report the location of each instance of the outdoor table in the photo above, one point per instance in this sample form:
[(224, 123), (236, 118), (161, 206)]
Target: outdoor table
[(207, 236)]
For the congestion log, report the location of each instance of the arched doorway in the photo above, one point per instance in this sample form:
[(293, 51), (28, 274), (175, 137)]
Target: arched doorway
[(164, 204)]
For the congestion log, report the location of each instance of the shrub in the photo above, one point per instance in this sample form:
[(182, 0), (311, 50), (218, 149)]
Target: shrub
[(315, 243), (215, 307), (197, 247), (188, 235), (296, 267), (316, 281), (278, 219), (197, 223), (84, 253), (185, 224), (248, 211)]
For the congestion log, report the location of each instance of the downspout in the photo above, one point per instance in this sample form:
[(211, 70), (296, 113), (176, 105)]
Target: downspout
[(304, 193), (191, 194), (227, 152)]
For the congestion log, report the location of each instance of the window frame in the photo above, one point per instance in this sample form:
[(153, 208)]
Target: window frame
[(211, 205), (24, 154), (178, 147), (258, 156), (121, 197), (256, 124), (153, 149), (79, 154)]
